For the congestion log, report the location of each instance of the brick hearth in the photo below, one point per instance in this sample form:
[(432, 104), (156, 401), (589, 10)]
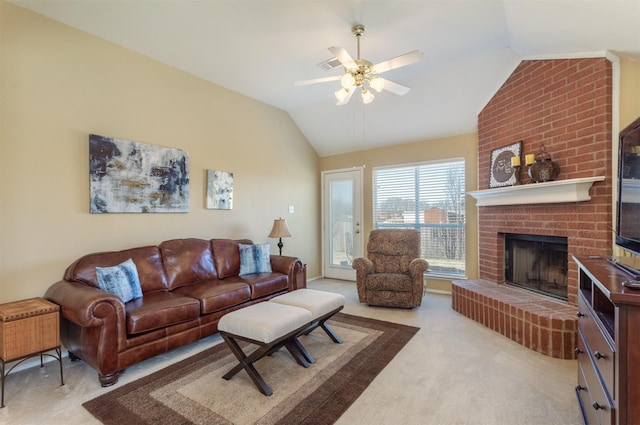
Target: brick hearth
[(565, 104), (535, 321)]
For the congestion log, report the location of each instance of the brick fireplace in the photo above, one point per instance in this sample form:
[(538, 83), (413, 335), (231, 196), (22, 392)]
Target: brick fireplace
[(565, 104)]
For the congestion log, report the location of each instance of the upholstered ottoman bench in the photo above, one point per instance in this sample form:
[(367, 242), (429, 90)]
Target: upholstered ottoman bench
[(322, 305), (268, 325)]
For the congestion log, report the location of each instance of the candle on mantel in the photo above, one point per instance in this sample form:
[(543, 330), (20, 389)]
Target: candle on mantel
[(530, 159), (515, 161)]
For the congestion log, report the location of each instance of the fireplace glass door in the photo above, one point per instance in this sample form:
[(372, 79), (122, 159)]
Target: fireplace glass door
[(537, 263)]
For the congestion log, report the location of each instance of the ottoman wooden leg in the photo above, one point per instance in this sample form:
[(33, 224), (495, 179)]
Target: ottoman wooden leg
[(246, 363)]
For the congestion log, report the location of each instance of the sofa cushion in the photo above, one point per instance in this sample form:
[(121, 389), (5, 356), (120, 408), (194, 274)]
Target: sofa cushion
[(121, 280), (147, 260), (226, 256), (217, 295), (263, 284), (254, 258), (159, 310), (187, 261)]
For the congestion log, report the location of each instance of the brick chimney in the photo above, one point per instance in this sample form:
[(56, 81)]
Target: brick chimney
[(565, 104)]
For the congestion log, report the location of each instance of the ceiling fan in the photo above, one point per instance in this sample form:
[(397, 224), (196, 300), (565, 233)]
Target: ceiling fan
[(360, 74)]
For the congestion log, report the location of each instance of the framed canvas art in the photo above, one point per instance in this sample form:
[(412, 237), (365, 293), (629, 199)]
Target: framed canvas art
[(132, 177), (219, 190), (501, 172)]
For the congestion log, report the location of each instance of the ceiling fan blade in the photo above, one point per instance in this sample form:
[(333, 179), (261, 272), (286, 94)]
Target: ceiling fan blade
[(399, 61), (317, 80), (346, 99), (344, 57), (393, 87)]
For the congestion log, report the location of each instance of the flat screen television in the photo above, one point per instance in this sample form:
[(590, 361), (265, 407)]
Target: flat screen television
[(628, 211)]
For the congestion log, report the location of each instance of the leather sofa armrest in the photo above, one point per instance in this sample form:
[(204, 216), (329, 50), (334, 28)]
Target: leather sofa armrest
[(292, 267), (89, 307), (78, 302)]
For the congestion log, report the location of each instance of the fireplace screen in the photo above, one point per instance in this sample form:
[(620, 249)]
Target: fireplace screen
[(537, 263)]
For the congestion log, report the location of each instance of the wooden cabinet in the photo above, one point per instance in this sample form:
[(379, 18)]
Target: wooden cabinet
[(608, 345)]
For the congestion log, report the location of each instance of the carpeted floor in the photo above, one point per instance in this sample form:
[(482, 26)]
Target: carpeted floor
[(453, 371), (193, 391)]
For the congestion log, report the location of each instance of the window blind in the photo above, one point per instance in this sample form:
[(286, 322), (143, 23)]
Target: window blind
[(428, 197)]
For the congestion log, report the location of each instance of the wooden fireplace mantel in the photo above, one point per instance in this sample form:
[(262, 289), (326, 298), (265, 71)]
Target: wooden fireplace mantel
[(570, 190)]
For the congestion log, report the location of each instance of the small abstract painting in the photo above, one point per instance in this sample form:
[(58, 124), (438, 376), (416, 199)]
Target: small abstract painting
[(132, 177), (219, 190)]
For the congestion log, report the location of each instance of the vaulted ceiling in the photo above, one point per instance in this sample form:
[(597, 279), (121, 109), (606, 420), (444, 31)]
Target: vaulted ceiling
[(261, 47)]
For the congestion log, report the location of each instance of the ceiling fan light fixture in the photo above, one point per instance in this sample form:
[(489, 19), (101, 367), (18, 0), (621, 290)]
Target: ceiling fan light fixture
[(361, 74), (342, 94), (367, 96), (347, 80), (377, 84)]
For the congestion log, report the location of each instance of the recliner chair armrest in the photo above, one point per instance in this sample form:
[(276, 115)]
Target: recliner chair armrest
[(362, 266), (417, 266)]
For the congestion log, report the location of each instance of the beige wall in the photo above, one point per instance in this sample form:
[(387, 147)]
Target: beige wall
[(629, 92), (465, 146), (58, 85)]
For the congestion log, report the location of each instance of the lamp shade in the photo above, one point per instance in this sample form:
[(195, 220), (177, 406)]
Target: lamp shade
[(280, 229), (377, 84), (367, 96), (347, 81)]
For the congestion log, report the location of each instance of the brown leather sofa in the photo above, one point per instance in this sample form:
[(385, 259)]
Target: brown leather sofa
[(187, 286)]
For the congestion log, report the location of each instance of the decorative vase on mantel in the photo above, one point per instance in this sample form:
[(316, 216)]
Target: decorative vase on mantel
[(543, 169)]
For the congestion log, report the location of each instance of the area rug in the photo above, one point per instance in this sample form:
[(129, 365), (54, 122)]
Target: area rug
[(193, 391)]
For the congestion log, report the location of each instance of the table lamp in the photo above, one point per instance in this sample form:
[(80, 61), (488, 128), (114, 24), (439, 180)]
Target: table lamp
[(280, 230)]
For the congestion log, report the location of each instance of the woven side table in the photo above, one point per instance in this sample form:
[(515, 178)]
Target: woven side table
[(28, 328)]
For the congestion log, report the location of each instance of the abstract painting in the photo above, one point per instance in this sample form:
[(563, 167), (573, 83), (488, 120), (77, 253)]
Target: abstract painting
[(132, 177), (219, 190)]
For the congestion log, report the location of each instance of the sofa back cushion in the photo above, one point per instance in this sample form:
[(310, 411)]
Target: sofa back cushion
[(187, 261), (147, 260), (227, 256)]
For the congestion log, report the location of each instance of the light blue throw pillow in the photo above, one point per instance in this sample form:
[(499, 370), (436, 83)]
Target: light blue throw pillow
[(254, 258), (121, 280)]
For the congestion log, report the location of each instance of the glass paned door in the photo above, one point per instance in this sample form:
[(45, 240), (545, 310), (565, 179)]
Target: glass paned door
[(342, 222)]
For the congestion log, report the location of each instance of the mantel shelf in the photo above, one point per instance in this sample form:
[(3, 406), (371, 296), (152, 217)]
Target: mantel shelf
[(572, 190)]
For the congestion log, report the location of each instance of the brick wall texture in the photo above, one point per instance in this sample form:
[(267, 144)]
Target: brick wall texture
[(565, 104)]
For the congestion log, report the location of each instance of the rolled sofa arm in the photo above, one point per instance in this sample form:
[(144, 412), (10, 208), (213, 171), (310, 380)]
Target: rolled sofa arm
[(93, 325), (293, 268)]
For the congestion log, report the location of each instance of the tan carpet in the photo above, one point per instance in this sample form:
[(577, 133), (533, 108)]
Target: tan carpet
[(193, 391), (453, 371)]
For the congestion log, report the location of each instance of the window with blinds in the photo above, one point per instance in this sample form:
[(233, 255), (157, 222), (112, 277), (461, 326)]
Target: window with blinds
[(428, 197)]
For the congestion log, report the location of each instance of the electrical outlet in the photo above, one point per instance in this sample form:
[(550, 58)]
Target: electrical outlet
[(291, 209)]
